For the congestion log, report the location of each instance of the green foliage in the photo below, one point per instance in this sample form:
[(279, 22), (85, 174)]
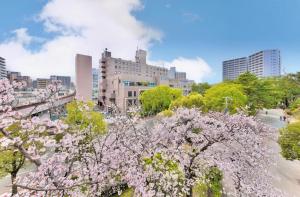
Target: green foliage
[(295, 105), (214, 97), (127, 193), (261, 93), (289, 141), (189, 101), (211, 185), (200, 87), (81, 115), (166, 113), (158, 99)]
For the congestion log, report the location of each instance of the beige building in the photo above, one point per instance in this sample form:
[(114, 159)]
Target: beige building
[(42, 83), (83, 75), (122, 81)]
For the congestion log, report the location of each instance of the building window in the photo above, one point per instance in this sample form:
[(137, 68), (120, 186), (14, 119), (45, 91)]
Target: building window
[(129, 93), (134, 93)]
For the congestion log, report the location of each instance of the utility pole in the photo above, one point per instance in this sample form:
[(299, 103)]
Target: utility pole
[(227, 98)]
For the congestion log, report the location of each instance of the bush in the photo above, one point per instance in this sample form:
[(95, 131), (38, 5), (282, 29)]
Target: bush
[(189, 101), (289, 141)]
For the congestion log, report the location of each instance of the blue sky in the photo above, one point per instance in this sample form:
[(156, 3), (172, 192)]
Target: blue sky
[(214, 30)]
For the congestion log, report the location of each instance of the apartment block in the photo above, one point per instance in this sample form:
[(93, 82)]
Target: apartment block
[(3, 73), (266, 63), (83, 75), (122, 81), (65, 80), (96, 76), (233, 68), (42, 83)]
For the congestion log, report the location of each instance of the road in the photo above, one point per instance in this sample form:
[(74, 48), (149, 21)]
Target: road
[(286, 173)]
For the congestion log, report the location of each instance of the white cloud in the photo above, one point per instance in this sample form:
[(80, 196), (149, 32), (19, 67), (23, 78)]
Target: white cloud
[(81, 27), (196, 69), (87, 27)]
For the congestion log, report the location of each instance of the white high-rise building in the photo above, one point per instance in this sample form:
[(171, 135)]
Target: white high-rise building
[(266, 63), (3, 72), (233, 68)]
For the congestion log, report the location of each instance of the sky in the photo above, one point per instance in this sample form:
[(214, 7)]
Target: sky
[(41, 37)]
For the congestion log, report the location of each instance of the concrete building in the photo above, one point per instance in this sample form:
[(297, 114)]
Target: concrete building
[(122, 81), (13, 76), (65, 81), (42, 83), (96, 81), (265, 63), (3, 73), (83, 75), (233, 68)]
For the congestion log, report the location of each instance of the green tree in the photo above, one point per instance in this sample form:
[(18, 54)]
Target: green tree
[(11, 160), (200, 87), (289, 141), (192, 100), (261, 93), (214, 97), (158, 99), (82, 115)]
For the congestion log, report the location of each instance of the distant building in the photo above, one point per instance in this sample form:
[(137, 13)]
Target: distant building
[(16, 76), (266, 63), (122, 81), (42, 83), (3, 73), (95, 95), (83, 74), (65, 80), (233, 68), (13, 76)]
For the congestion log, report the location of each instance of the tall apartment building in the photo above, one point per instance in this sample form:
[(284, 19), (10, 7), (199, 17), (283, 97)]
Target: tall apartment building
[(65, 80), (83, 74), (266, 63), (3, 73), (122, 81), (95, 95), (233, 68)]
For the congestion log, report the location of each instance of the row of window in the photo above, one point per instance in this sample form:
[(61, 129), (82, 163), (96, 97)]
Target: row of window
[(132, 83)]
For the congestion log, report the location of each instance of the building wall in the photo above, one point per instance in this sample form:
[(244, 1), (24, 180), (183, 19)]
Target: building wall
[(233, 68), (42, 83), (3, 73), (83, 74), (118, 77), (65, 80), (265, 63), (96, 81)]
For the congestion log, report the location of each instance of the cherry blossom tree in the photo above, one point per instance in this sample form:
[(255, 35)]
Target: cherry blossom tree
[(158, 156)]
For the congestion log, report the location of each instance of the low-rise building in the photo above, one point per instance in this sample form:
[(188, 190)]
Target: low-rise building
[(65, 81), (42, 83)]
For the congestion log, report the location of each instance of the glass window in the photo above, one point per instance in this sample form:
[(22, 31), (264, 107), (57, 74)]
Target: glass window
[(129, 93)]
